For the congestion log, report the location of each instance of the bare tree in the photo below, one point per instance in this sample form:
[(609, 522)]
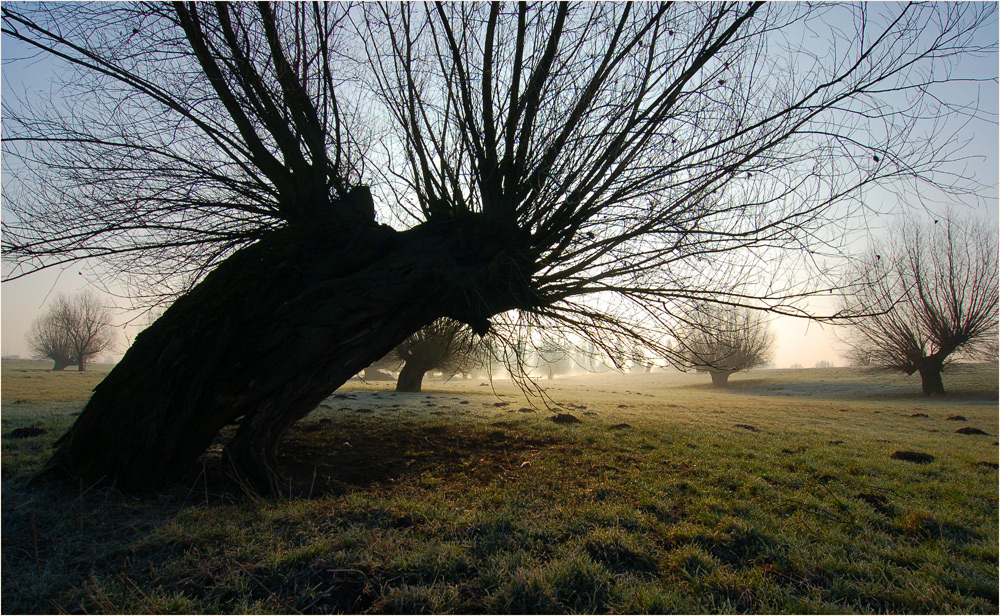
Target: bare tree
[(722, 340), (48, 339), (925, 297), (74, 330), (443, 345), (592, 169)]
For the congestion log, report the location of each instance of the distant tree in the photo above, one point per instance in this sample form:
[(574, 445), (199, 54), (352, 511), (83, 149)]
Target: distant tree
[(795, 367), (48, 339), (444, 345), (382, 369), (74, 330), (924, 297), (640, 363), (860, 358), (553, 358), (722, 340), (824, 364)]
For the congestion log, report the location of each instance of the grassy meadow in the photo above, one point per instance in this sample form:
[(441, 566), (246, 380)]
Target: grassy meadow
[(780, 494)]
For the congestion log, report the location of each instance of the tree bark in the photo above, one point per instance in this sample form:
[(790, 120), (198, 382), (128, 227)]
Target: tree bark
[(930, 380), (411, 377), (720, 379), (269, 334), (61, 363)]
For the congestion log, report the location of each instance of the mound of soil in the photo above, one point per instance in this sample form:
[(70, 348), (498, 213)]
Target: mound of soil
[(969, 431), (835, 442), (525, 409), (621, 426), (920, 415), (747, 427), (875, 501), (992, 465), (913, 456), (955, 418), (565, 418), (28, 432)]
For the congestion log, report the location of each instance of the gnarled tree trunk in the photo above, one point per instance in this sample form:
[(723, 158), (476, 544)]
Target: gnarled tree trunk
[(930, 379), (268, 335), (720, 379), (411, 377), (61, 363)]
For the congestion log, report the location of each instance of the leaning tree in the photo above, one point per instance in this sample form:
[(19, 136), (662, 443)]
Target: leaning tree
[(723, 340), (925, 296), (591, 167)]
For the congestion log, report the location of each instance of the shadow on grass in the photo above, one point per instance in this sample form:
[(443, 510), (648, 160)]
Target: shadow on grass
[(326, 457)]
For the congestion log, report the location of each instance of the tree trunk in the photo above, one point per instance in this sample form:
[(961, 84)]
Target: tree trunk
[(930, 380), (269, 334), (61, 363), (411, 377), (81, 365), (720, 379)]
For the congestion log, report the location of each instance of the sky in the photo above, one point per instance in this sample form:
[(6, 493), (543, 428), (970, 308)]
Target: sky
[(799, 341)]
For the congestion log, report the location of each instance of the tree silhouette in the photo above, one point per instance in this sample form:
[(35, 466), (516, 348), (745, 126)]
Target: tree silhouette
[(595, 169), (924, 297), (74, 330), (722, 340), (445, 345), (48, 339)]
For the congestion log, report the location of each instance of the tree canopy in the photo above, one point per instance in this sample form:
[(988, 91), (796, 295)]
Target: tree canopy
[(658, 153)]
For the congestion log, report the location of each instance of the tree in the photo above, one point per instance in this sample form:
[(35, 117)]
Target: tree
[(639, 360), (595, 168), (48, 339), (73, 331), (924, 297), (445, 344), (722, 340)]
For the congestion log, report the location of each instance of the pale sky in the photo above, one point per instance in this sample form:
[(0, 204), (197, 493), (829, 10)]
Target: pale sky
[(799, 341)]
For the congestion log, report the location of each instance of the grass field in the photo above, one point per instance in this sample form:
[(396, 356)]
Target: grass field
[(779, 495)]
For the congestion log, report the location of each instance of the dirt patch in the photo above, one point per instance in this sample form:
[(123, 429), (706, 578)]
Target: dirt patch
[(969, 431), (920, 415), (28, 432), (565, 418), (913, 456), (621, 426), (955, 418), (747, 427), (525, 409), (990, 465)]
